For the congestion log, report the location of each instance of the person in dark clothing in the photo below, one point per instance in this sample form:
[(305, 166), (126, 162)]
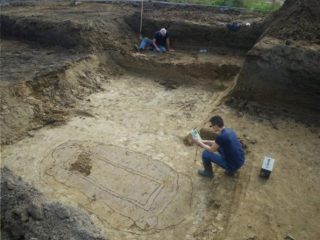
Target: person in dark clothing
[(234, 26), (160, 42), (230, 154)]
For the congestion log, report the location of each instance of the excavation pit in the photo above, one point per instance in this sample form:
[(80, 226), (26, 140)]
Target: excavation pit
[(134, 184), (95, 125)]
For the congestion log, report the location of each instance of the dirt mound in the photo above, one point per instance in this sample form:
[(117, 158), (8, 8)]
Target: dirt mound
[(26, 214), (282, 70), (83, 164), (296, 20)]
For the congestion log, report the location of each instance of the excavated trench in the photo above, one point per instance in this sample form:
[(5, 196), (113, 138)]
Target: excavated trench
[(120, 119), (58, 63)]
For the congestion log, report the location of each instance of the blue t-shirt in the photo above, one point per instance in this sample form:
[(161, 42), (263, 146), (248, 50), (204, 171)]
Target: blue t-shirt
[(230, 148), (161, 40)]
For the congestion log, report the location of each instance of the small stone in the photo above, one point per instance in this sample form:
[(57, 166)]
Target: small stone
[(10, 185), (31, 133), (289, 237), (220, 228), (174, 86), (62, 212), (253, 141), (219, 217), (36, 211), (24, 216)]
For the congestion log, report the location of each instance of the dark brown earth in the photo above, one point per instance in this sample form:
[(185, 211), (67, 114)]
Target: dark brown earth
[(282, 69), (297, 21), (83, 164), (26, 214)]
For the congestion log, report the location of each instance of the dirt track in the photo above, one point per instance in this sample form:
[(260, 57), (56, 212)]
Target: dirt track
[(117, 127)]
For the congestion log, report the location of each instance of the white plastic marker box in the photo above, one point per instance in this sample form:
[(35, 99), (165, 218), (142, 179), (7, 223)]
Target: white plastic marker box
[(267, 166)]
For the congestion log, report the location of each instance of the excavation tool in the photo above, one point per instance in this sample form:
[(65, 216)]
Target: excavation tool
[(141, 16), (195, 156)]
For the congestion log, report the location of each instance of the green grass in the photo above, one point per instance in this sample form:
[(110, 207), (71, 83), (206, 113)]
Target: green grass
[(260, 5), (254, 5)]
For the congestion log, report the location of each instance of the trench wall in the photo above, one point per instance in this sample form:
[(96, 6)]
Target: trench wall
[(278, 74), (283, 66), (65, 34), (186, 34)]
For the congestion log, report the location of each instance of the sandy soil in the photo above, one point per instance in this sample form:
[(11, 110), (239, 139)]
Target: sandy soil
[(138, 115), (122, 155)]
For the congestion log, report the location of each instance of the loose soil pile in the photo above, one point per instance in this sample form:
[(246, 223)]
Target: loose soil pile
[(296, 20), (26, 214), (282, 69)]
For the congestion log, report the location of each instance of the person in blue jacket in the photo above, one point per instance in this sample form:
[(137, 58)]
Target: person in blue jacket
[(160, 42), (226, 151)]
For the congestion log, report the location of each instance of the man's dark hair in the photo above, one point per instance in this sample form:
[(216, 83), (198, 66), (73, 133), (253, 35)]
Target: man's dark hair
[(217, 120)]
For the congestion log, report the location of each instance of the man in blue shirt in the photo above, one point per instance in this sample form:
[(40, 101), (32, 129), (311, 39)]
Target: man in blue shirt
[(160, 42), (230, 154)]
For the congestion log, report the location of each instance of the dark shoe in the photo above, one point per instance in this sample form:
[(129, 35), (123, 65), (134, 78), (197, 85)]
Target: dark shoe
[(230, 174), (205, 173), (137, 48)]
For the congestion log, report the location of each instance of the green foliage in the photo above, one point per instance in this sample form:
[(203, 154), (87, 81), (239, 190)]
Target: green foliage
[(255, 5), (260, 5)]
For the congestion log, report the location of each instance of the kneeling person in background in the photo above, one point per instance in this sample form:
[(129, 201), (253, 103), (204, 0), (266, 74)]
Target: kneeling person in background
[(160, 42)]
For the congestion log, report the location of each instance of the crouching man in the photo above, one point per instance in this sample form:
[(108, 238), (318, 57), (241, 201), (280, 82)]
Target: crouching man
[(159, 43), (226, 151)]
